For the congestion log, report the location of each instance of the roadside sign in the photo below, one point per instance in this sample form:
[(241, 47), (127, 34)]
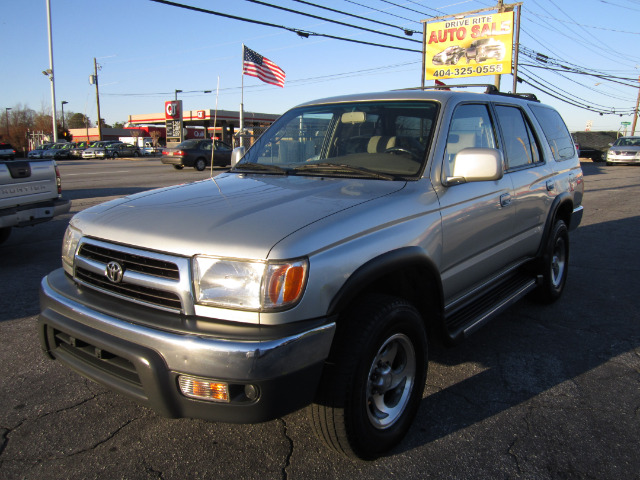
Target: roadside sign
[(469, 47)]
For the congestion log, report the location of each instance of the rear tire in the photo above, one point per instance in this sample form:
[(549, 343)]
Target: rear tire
[(178, 167), (200, 164), (372, 383), (554, 265)]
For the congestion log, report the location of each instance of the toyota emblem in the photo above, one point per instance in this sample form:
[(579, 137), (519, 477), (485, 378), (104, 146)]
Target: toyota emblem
[(114, 272)]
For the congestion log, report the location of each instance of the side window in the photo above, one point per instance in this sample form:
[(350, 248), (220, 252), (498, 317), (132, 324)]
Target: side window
[(520, 145), (470, 128), (206, 146), (556, 132)]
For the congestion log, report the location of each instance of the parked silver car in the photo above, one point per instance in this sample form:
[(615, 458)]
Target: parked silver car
[(624, 150), (59, 151), (98, 149), (39, 150)]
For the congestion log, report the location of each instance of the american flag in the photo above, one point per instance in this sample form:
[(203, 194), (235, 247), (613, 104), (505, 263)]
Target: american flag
[(255, 65)]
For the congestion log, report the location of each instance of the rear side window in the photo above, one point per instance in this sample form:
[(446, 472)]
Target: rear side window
[(556, 132), (520, 143)]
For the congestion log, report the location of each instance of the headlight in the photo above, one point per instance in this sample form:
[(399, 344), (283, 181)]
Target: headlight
[(69, 245), (247, 284)]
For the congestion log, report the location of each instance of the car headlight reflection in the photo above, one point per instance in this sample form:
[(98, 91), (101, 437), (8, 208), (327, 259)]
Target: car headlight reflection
[(248, 284), (69, 246)]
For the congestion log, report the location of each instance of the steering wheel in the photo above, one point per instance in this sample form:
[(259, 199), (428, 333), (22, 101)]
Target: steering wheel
[(402, 150)]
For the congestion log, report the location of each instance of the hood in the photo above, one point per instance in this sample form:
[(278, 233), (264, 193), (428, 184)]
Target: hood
[(233, 215)]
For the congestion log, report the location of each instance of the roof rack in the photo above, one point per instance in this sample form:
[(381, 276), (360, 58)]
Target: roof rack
[(489, 88)]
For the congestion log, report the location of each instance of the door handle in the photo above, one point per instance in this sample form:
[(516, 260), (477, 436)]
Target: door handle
[(505, 200)]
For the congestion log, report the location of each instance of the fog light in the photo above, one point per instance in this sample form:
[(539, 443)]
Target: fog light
[(204, 389)]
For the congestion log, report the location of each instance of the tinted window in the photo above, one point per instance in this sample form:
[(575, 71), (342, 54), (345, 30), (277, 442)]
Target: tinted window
[(519, 142), (556, 132)]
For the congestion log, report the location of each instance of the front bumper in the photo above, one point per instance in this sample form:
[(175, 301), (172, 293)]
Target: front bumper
[(627, 159), (144, 363)]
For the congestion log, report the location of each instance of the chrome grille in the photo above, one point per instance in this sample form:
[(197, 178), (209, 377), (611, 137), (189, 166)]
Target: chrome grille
[(128, 261), (149, 278)]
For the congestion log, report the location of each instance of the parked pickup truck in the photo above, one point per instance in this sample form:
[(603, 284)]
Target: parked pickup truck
[(314, 271), (30, 193)]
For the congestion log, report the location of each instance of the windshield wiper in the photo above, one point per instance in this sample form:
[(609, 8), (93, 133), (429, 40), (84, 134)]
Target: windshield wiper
[(260, 168), (338, 168)]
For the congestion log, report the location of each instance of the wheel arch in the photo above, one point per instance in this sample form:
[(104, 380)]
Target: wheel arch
[(406, 273), (561, 209)]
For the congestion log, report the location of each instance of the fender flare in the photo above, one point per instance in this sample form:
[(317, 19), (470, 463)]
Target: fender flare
[(562, 201), (413, 257)]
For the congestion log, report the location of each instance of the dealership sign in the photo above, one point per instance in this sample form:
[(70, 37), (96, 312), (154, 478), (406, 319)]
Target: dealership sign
[(468, 47)]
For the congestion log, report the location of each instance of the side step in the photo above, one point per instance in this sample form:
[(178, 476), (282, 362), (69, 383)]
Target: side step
[(464, 319)]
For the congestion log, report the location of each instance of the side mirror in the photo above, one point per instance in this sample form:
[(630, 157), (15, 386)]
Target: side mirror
[(476, 165), (236, 155)]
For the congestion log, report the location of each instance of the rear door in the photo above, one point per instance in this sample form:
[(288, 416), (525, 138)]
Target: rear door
[(530, 175)]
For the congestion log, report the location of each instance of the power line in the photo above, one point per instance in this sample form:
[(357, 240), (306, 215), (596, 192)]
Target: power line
[(337, 22), (405, 30), (299, 32), (382, 11), (411, 9)]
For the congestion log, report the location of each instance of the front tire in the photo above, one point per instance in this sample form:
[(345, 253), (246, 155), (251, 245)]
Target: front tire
[(178, 167), (373, 381), (200, 164), (554, 265)]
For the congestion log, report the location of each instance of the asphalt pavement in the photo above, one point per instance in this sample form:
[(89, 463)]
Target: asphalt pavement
[(542, 392)]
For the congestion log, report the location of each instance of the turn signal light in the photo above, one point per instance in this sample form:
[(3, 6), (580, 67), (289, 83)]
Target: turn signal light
[(204, 389)]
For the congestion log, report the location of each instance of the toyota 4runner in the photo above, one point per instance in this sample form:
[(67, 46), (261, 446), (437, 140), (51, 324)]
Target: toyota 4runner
[(313, 272)]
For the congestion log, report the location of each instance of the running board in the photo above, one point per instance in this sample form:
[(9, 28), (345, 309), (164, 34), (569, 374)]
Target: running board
[(469, 317)]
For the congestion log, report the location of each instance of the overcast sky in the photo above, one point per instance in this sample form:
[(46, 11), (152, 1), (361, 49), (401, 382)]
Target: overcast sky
[(147, 50)]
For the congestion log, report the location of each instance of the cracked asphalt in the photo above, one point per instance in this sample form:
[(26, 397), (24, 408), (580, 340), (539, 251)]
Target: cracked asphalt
[(542, 392)]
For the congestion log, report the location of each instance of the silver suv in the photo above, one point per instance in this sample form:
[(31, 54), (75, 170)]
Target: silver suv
[(313, 271)]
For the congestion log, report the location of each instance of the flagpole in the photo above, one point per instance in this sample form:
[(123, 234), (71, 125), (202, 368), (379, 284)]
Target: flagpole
[(242, 94)]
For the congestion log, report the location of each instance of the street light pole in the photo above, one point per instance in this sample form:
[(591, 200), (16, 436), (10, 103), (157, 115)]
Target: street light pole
[(6, 110), (95, 77), (62, 104), (50, 75)]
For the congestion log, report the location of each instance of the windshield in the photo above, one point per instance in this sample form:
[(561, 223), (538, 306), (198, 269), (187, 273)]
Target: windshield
[(370, 139), (627, 142)]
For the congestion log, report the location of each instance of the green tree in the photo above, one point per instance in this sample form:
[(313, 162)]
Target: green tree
[(78, 120)]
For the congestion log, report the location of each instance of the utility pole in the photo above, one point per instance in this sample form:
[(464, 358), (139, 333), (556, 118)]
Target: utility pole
[(635, 113), (95, 80)]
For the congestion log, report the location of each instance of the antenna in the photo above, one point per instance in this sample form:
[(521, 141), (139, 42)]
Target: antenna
[(213, 140)]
